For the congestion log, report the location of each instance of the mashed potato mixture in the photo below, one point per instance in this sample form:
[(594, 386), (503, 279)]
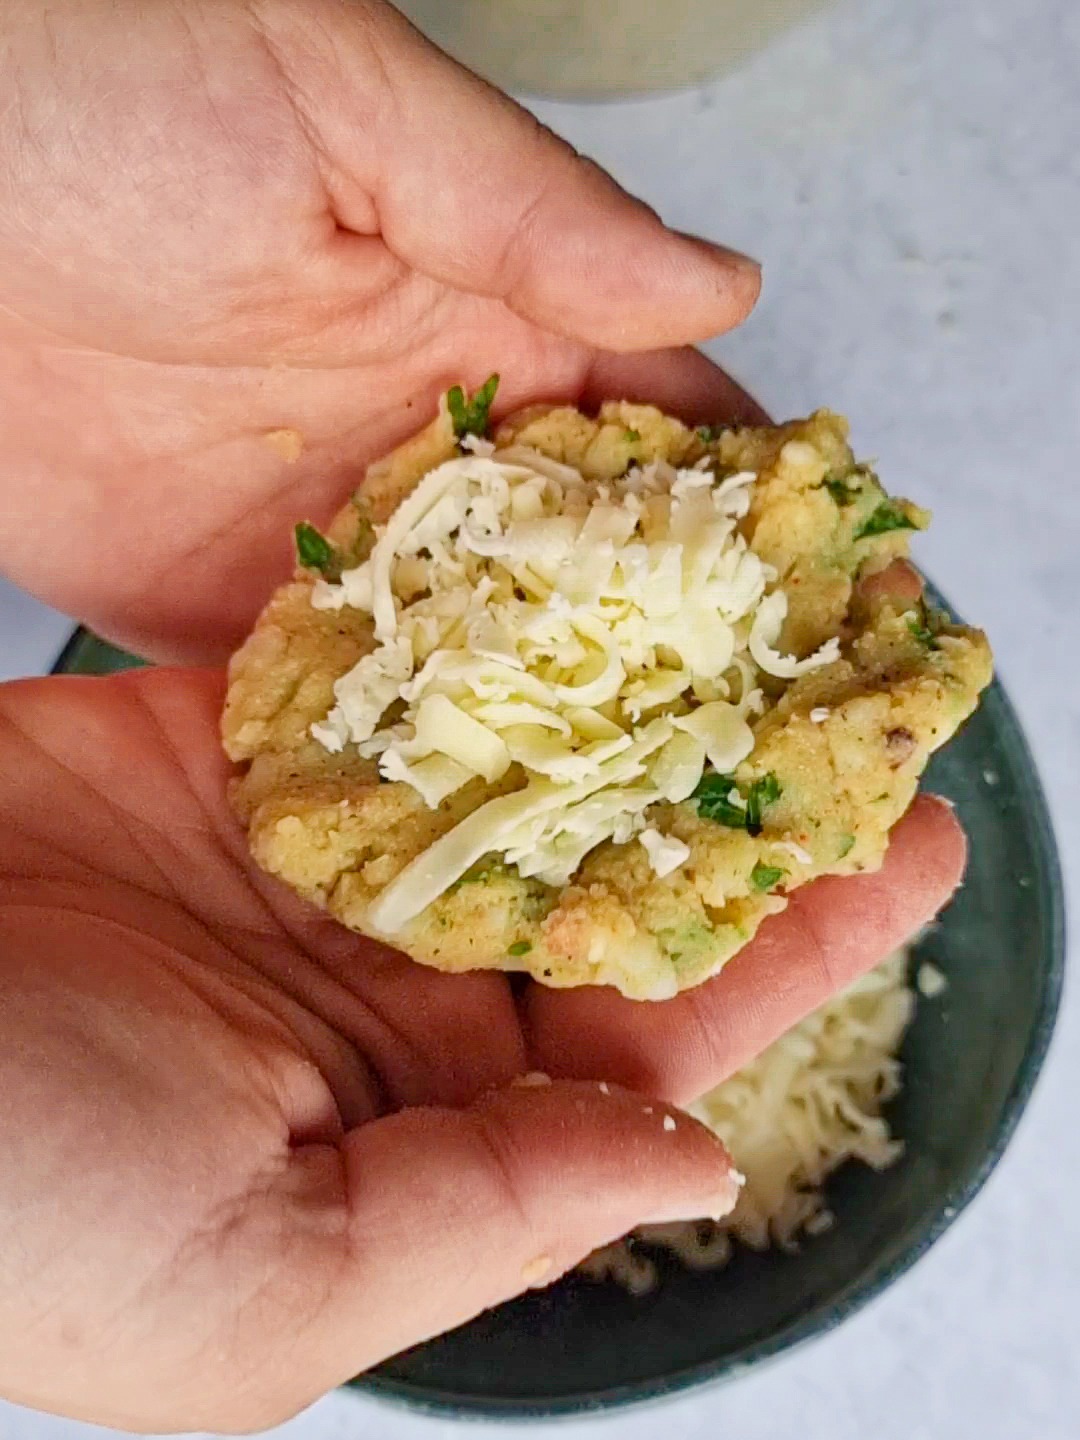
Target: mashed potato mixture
[(588, 697)]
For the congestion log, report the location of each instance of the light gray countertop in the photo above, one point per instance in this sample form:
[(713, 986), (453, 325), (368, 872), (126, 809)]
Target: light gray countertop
[(909, 172)]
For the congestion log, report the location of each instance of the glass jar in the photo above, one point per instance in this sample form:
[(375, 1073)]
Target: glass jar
[(592, 48)]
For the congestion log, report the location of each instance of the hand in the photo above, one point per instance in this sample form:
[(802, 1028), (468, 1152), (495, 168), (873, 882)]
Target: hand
[(242, 1153), (245, 1154), (229, 229)]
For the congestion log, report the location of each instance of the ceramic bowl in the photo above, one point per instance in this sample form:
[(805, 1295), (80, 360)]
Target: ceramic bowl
[(971, 1059)]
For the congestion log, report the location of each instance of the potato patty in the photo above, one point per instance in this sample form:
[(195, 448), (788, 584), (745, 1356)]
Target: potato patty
[(837, 751)]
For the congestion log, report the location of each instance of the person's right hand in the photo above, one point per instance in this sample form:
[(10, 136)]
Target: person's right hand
[(243, 248), (245, 1153)]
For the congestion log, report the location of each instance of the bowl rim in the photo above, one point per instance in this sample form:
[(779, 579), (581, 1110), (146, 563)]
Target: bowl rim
[(437, 1402)]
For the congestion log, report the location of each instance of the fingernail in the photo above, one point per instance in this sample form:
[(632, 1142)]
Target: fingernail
[(733, 258), (710, 1207)]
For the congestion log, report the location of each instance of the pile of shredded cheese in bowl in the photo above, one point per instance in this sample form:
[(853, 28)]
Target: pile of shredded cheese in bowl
[(808, 1104)]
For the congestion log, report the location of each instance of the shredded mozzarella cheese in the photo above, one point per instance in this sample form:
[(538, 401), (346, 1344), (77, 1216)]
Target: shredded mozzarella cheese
[(666, 852), (805, 1106), (593, 636)]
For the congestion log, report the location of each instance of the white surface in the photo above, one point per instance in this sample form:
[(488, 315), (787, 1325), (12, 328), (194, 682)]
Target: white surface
[(909, 174), (31, 636)]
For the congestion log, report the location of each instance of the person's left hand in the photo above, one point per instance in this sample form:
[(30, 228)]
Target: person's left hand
[(245, 1153)]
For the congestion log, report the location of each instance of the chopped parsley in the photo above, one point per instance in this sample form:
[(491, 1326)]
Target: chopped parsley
[(840, 490), (519, 947), (923, 634), (632, 436), (480, 874), (714, 802), (762, 792), (846, 487), (713, 796), (709, 434), (888, 516), (470, 417), (847, 844), (764, 877), (314, 551)]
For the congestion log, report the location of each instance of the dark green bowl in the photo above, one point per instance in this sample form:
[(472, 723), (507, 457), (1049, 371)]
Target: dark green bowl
[(972, 1057)]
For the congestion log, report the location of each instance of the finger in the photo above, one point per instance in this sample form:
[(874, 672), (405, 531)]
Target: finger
[(680, 380), (452, 1211), (831, 932), (466, 186)]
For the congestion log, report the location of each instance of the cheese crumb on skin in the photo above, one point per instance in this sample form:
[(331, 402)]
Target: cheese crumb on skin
[(669, 1122), (535, 1270), (287, 442)]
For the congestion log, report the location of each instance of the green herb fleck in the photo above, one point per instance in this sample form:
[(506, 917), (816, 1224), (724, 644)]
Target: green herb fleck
[(847, 844), (714, 803), (762, 792), (314, 551), (631, 436), (709, 434), (840, 490), (923, 634), (713, 796), (470, 417), (478, 875), (888, 516), (520, 947), (764, 877)]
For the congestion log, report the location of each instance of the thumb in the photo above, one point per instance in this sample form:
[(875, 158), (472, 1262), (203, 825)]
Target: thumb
[(471, 190), (453, 1211)]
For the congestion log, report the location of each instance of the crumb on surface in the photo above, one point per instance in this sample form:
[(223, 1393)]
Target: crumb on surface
[(930, 981)]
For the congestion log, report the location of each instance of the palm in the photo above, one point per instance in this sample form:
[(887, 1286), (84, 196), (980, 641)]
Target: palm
[(218, 1065), (243, 269), (188, 1033)]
